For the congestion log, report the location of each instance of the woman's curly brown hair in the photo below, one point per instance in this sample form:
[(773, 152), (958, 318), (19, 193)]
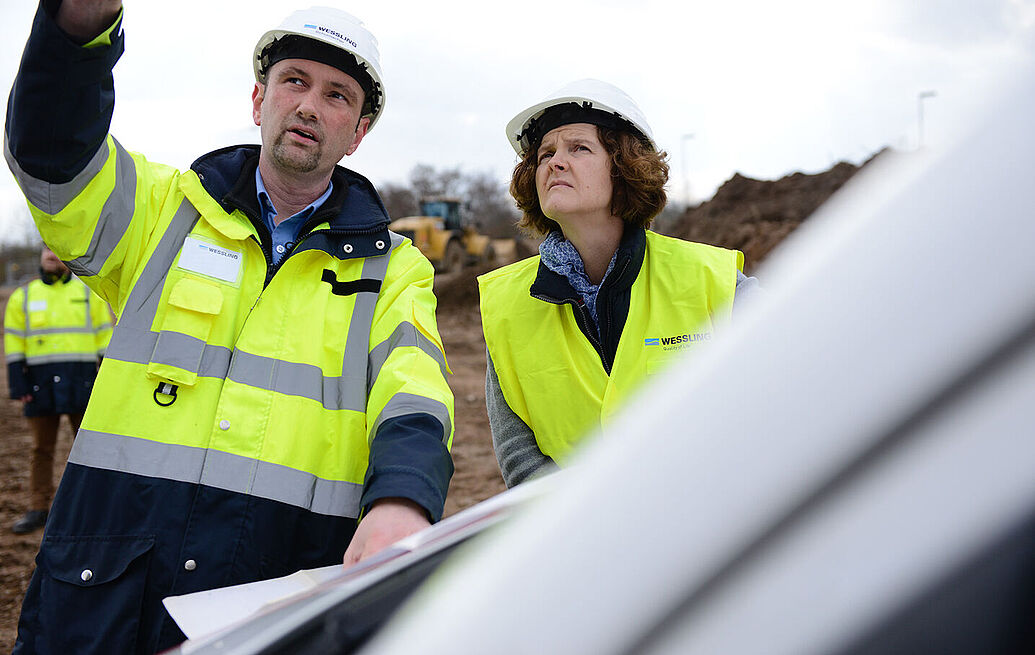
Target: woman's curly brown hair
[(639, 174)]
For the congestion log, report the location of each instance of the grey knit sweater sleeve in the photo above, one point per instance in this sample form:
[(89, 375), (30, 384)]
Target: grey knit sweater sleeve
[(513, 441), (747, 288)]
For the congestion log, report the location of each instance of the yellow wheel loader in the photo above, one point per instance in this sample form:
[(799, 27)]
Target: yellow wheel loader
[(445, 236)]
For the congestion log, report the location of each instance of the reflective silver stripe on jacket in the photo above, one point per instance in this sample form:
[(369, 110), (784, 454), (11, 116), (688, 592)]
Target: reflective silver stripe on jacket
[(52, 198), (294, 379), (89, 310), (406, 335), (402, 404), (115, 214), (129, 344), (34, 360), (142, 304), (214, 468), (59, 330), (357, 342)]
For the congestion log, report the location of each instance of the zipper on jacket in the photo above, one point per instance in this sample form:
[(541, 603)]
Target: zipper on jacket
[(582, 320), (338, 231), (270, 266), (604, 303), (266, 248)]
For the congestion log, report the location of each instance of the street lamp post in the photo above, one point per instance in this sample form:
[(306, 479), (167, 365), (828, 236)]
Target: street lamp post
[(686, 173), (920, 97)]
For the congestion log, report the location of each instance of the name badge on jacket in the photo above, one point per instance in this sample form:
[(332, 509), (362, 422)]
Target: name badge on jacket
[(210, 260)]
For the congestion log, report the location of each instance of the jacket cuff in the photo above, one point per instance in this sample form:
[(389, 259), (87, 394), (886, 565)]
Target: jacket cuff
[(17, 381), (409, 460)]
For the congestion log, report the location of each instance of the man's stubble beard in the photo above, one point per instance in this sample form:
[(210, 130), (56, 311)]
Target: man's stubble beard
[(303, 162)]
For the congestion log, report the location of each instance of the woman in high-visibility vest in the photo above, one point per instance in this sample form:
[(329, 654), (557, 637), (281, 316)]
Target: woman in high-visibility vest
[(572, 331)]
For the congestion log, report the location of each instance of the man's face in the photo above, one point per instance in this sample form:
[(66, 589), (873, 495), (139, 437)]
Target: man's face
[(309, 116), (50, 263), (573, 177)]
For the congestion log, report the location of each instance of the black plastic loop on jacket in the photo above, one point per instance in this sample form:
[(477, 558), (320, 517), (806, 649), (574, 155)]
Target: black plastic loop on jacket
[(362, 285), (165, 389)]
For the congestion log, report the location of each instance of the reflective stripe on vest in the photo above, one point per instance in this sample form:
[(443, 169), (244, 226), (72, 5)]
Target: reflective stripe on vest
[(549, 373)]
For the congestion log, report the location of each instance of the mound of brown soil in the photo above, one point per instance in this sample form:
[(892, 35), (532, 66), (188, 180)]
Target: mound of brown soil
[(753, 216)]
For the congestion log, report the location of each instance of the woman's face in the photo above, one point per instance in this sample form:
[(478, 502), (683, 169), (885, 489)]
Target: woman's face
[(573, 175)]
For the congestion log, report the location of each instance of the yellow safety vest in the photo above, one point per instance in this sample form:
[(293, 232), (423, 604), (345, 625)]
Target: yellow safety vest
[(550, 374), (52, 323)]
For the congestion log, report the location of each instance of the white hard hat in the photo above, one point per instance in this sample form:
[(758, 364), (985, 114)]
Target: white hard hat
[(345, 34), (584, 101)]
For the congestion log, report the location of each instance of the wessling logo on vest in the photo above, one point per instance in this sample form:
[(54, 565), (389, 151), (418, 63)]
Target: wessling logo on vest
[(677, 342)]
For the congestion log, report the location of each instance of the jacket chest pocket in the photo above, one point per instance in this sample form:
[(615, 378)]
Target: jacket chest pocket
[(190, 313), (37, 314), (38, 320)]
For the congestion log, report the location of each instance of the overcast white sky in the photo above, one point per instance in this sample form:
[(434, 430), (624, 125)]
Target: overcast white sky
[(764, 88)]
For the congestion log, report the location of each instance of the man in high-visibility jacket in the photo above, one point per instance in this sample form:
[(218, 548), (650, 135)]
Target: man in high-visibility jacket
[(276, 372), (55, 331)]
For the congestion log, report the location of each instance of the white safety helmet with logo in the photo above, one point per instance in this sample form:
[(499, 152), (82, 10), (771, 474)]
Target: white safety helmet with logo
[(330, 36), (585, 101)]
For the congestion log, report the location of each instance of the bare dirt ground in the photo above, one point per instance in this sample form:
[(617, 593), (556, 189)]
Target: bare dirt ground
[(476, 475)]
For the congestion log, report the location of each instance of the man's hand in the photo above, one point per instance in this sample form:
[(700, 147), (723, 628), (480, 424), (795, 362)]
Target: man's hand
[(84, 20), (27, 398), (387, 521)]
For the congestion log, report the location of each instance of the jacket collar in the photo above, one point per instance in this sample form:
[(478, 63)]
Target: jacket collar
[(228, 175), (54, 278), (354, 220), (631, 249)]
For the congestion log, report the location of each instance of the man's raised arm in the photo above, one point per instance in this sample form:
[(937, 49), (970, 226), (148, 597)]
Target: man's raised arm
[(60, 107)]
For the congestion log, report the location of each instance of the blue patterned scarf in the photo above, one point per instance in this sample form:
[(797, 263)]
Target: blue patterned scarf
[(560, 256)]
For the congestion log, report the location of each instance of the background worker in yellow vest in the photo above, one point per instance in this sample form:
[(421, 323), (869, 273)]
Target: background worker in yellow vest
[(55, 332), (274, 395), (572, 331)]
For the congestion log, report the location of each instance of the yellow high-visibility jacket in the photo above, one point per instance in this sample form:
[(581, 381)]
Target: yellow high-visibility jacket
[(295, 396), (54, 332)]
